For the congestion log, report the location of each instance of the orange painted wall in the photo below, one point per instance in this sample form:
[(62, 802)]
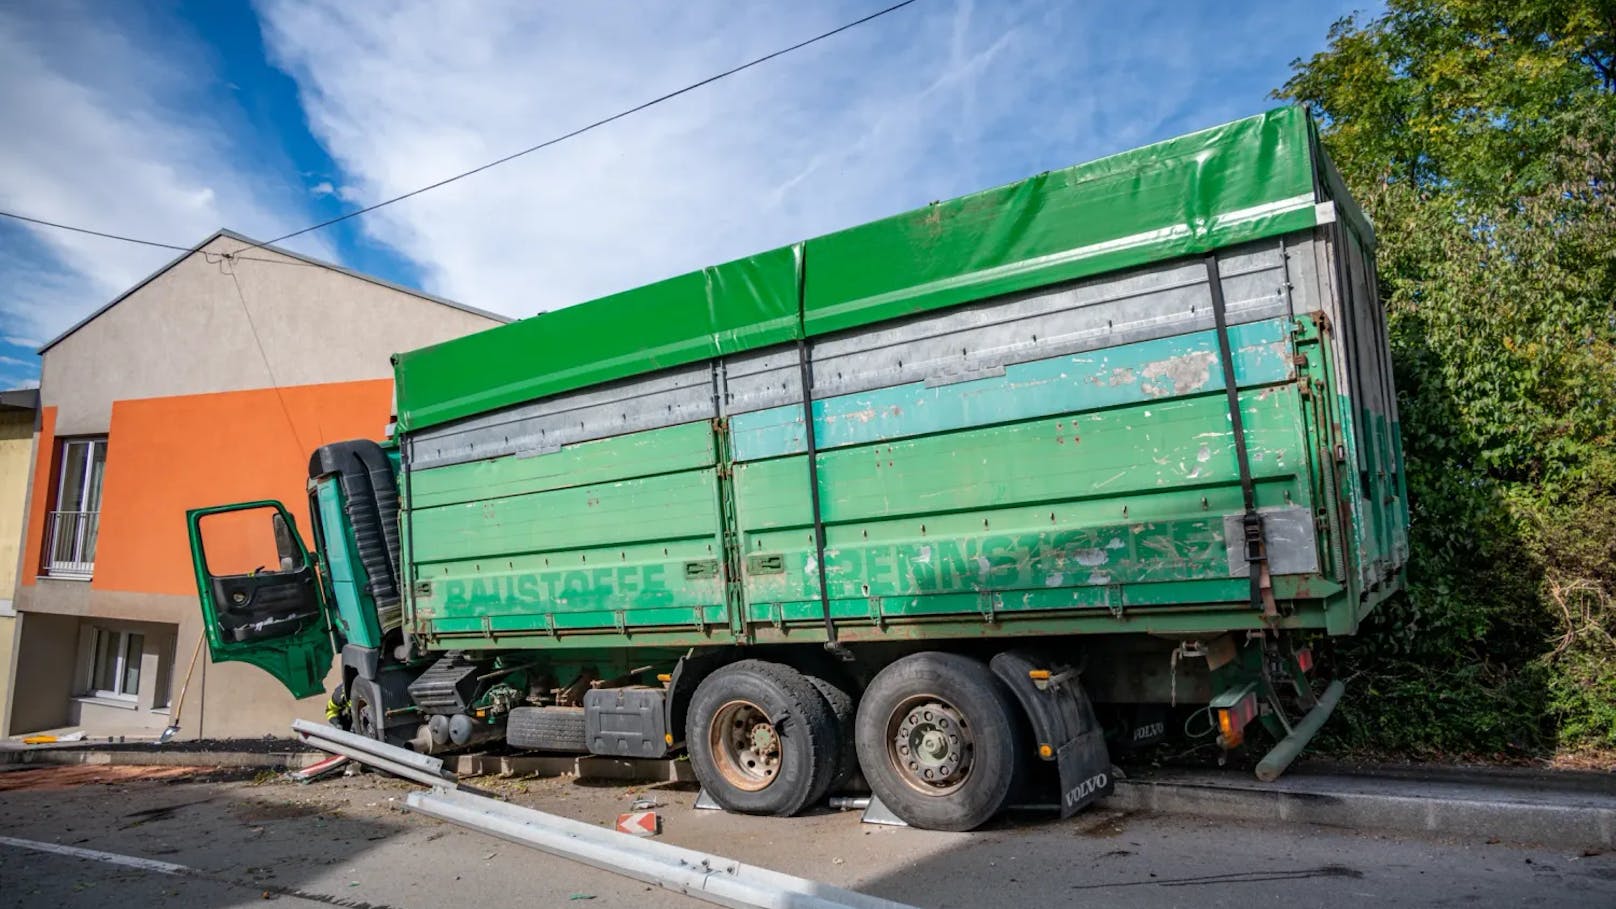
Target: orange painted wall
[(39, 501), (167, 455)]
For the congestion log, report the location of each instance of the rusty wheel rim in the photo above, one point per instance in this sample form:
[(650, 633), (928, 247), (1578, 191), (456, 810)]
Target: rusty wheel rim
[(929, 745), (363, 719), (745, 745)]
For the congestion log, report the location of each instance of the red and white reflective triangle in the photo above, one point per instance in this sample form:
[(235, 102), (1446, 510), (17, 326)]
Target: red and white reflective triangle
[(639, 823)]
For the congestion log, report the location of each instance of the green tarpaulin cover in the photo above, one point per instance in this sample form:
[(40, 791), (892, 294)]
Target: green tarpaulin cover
[(1253, 178)]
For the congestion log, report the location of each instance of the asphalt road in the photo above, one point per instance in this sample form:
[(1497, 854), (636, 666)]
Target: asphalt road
[(348, 842)]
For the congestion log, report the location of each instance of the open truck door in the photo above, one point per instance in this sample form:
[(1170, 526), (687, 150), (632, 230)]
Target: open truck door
[(262, 600)]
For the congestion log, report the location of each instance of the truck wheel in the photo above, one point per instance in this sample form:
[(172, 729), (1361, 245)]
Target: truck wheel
[(939, 741), (547, 729), (365, 710), (840, 704), (761, 738)]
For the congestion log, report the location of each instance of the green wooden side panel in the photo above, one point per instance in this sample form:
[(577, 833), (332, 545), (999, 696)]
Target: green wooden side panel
[(1125, 374), (651, 508), (685, 447), (1053, 513), (613, 535)]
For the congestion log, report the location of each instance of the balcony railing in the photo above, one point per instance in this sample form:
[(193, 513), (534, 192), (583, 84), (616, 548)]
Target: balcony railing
[(70, 543)]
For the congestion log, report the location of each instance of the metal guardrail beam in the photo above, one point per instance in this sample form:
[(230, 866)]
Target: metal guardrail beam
[(714, 879), (400, 762)]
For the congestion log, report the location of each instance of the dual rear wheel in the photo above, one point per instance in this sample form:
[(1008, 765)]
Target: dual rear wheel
[(936, 735), (762, 739)]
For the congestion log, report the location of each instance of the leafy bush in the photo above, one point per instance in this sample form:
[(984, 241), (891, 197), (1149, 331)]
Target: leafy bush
[(1481, 139)]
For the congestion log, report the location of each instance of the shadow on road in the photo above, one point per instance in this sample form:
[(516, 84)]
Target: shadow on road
[(235, 843)]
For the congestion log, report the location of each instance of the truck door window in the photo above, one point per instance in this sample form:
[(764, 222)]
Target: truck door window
[(259, 577), (250, 541)]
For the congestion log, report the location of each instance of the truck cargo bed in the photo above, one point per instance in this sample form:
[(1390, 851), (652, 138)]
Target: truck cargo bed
[(1055, 458)]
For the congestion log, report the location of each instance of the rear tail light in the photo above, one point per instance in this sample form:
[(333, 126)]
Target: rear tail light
[(1232, 720), (1304, 659)]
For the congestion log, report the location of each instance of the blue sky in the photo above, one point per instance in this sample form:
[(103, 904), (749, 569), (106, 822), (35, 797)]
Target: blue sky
[(168, 120)]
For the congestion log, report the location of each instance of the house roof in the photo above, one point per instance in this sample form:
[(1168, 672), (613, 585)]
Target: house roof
[(310, 260), (19, 399)]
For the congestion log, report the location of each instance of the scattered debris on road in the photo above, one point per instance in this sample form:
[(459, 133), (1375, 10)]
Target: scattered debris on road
[(67, 777), (325, 768)]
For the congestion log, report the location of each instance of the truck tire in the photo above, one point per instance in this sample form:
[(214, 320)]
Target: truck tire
[(761, 739), (940, 741), (366, 709), (840, 704), (547, 729)]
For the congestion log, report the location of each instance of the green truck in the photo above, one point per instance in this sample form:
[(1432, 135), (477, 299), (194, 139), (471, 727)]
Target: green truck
[(953, 505)]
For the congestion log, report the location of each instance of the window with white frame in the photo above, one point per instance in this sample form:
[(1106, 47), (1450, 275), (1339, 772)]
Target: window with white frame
[(114, 670), (71, 526)]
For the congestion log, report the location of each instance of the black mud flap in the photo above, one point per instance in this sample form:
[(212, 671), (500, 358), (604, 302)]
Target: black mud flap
[(1064, 724)]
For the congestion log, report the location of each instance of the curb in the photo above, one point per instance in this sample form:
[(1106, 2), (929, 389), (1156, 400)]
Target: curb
[(272, 760), (1591, 781), (1488, 812)]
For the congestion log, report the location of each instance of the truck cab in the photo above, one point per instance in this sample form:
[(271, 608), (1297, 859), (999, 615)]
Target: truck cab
[(291, 606)]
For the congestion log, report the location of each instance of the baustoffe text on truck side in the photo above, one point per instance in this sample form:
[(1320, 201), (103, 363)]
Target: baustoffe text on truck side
[(951, 503)]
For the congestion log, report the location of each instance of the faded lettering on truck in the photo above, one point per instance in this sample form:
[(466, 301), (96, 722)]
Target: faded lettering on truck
[(618, 586)]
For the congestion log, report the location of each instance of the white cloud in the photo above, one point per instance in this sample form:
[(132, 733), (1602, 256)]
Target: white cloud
[(106, 127), (933, 101), (114, 127), (15, 341)]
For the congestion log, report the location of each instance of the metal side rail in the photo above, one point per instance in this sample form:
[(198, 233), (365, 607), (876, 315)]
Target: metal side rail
[(711, 878), (400, 762), (703, 876)]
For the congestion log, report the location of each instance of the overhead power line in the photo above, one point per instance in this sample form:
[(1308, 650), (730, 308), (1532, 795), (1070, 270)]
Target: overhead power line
[(252, 326), (94, 233), (597, 124), (98, 233), (757, 61)]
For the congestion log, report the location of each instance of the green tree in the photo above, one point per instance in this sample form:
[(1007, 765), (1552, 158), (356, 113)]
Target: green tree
[(1479, 137)]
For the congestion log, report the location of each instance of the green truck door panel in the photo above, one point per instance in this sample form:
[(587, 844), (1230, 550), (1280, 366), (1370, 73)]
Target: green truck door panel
[(273, 619), (638, 544)]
